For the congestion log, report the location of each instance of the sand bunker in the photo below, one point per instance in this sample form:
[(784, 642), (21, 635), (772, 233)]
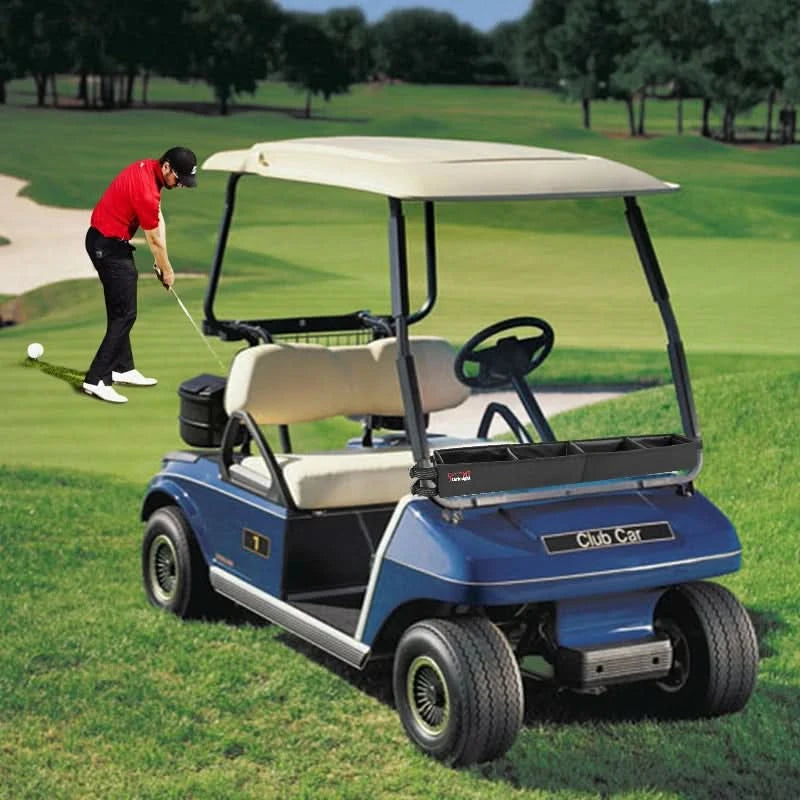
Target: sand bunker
[(46, 242)]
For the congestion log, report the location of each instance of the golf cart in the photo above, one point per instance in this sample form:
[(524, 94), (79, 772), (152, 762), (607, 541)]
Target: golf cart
[(469, 562)]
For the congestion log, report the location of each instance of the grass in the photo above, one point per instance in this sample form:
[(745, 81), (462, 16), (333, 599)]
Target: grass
[(727, 242), (103, 696), (48, 422)]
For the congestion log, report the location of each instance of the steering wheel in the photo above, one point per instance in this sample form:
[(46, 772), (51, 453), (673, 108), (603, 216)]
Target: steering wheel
[(509, 357)]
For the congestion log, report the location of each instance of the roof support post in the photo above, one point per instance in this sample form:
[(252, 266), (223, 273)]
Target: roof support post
[(222, 240), (430, 264), (658, 289), (406, 369)]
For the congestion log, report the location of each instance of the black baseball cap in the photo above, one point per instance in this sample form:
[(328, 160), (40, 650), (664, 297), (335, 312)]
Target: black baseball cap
[(184, 162)]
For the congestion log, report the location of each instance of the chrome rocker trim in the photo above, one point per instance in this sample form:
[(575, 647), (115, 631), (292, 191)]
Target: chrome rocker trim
[(321, 635)]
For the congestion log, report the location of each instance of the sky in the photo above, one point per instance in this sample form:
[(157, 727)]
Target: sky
[(481, 14)]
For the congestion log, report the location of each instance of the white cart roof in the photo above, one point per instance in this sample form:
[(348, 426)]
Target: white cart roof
[(439, 169)]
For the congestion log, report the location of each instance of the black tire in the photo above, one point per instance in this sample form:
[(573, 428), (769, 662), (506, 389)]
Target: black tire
[(458, 689), (174, 572), (715, 651)]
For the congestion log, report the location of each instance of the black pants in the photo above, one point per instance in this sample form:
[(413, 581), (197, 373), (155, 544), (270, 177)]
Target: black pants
[(113, 260)]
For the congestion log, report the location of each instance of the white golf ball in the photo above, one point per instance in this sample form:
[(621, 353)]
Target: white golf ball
[(35, 350)]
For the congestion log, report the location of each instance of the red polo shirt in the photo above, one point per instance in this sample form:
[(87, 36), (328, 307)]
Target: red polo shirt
[(131, 200)]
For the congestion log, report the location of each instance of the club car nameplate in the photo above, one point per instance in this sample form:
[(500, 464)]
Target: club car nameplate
[(598, 538)]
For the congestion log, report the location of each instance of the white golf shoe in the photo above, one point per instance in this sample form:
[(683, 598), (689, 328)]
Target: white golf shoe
[(132, 378), (107, 393)]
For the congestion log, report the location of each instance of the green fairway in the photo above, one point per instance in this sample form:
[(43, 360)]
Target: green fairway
[(103, 696), (47, 421), (727, 241)]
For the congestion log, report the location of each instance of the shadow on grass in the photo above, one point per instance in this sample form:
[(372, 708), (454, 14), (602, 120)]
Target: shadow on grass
[(619, 742), (199, 107), (767, 624), (543, 703), (71, 376)]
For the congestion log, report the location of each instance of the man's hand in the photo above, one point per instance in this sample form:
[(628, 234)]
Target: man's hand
[(166, 279)]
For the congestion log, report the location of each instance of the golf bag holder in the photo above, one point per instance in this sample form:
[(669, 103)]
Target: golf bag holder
[(508, 467)]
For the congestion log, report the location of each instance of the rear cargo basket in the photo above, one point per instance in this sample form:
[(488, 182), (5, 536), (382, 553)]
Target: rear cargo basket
[(202, 410), (501, 467)]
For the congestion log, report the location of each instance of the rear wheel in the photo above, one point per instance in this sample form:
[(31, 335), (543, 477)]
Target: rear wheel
[(458, 689), (714, 651), (174, 572)]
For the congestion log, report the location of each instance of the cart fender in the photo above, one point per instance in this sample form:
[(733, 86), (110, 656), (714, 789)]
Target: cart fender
[(162, 492)]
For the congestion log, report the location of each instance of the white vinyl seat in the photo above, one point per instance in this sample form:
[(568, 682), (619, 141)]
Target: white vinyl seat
[(289, 383), (342, 478)]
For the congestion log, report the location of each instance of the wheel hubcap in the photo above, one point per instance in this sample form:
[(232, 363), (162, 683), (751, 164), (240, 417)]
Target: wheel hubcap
[(681, 662), (427, 695), (163, 567)]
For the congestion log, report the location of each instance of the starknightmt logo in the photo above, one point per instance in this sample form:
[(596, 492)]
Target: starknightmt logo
[(458, 477)]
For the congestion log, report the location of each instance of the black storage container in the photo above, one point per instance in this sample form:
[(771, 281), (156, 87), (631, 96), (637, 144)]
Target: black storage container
[(501, 467), (202, 417)]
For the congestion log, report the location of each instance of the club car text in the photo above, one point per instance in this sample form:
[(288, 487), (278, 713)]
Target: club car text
[(598, 538)]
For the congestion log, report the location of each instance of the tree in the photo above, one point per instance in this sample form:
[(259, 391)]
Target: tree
[(753, 27), (8, 68), (586, 45), (37, 44), (775, 40), (504, 44), (231, 44), (423, 46), (638, 70), (538, 57), (312, 60), (784, 55), (351, 35), (727, 80), (665, 37)]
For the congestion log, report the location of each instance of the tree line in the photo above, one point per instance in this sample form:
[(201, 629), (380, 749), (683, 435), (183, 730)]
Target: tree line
[(733, 54)]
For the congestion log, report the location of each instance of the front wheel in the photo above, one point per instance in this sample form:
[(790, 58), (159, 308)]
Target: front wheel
[(458, 689), (174, 573), (714, 651)]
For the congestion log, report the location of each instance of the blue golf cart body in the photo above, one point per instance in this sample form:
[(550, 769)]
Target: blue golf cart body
[(471, 563)]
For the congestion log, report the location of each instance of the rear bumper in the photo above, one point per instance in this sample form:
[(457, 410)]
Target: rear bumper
[(589, 667)]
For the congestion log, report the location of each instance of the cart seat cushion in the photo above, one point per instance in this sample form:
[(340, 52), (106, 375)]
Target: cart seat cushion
[(281, 384), (343, 478)]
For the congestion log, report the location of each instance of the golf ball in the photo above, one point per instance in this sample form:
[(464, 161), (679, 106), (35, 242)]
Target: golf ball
[(35, 350)]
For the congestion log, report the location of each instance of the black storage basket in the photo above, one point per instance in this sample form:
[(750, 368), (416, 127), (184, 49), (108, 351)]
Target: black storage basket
[(501, 467), (202, 410)]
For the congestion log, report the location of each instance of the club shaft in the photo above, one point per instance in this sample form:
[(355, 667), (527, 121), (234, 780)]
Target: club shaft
[(194, 325)]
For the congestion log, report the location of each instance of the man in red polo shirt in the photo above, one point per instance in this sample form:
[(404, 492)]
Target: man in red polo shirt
[(132, 200)]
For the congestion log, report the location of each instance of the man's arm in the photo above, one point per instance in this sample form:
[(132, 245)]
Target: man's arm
[(157, 241)]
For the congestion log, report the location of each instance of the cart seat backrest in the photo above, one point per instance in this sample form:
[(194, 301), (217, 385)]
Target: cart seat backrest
[(281, 384)]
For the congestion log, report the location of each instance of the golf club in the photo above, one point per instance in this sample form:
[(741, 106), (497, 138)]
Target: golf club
[(189, 317)]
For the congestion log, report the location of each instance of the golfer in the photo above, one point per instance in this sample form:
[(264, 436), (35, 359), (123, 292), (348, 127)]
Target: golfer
[(132, 200)]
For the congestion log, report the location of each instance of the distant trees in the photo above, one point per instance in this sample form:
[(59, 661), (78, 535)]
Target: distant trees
[(325, 53), (35, 41), (423, 46), (230, 44), (311, 60), (732, 54), (585, 44), (665, 41)]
